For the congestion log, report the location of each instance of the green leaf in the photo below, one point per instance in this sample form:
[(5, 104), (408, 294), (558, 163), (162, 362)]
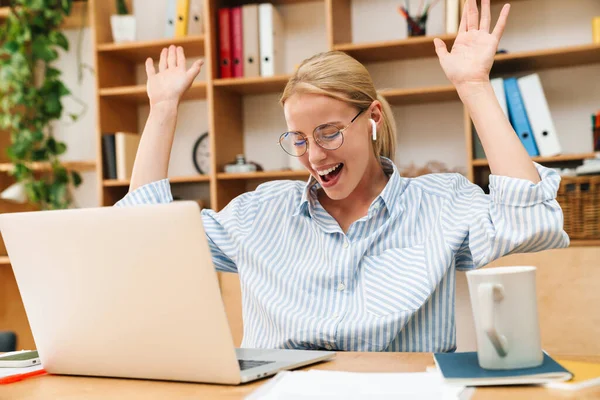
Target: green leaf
[(11, 47), (76, 178), (52, 73), (57, 38)]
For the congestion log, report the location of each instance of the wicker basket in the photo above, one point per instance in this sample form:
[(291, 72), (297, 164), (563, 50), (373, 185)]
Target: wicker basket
[(579, 198)]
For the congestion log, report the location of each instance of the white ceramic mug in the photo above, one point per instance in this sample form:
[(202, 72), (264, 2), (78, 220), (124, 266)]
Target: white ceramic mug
[(505, 314)]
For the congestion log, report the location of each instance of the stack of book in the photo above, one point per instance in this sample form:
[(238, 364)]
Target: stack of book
[(524, 103), (184, 18), (250, 41)]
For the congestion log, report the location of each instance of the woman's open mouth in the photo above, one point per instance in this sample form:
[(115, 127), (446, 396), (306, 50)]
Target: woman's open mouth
[(330, 176)]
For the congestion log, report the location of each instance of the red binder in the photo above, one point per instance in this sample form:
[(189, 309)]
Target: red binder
[(225, 42), (237, 43)]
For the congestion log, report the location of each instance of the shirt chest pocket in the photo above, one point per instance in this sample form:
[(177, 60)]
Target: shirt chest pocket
[(395, 280)]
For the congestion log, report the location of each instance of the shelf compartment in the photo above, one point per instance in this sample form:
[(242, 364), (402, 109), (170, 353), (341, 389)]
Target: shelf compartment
[(263, 175), (140, 51), (81, 166), (256, 85), (420, 95), (541, 160), (547, 58), (403, 49), (137, 93), (175, 179)]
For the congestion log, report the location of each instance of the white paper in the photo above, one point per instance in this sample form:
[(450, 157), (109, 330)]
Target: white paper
[(316, 384), (4, 372)]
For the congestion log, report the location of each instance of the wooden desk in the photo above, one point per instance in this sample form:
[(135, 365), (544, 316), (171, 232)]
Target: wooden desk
[(84, 388)]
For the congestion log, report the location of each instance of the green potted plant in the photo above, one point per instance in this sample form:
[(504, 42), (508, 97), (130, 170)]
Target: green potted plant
[(122, 23), (31, 100)]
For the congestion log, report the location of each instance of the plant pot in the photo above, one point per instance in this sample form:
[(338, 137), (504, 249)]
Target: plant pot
[(123, 28)]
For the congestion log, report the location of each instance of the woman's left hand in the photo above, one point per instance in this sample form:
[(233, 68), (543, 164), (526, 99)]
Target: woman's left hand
[(472, 55)]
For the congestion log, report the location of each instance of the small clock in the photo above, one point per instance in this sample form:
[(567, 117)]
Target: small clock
[(201, 154)]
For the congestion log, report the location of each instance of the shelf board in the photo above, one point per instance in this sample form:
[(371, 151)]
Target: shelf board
[(137, 94), (4, 260), (175, 179), (257, 85), (541, 160), (140, 51), (415, 47), (581, 242), (547, 58), (420, 95), (81, 166), (263, 175)]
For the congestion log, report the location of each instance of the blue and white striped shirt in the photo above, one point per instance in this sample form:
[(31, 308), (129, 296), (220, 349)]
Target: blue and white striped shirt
[(387, 284)]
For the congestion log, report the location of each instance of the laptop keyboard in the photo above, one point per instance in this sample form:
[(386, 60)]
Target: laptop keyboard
[(247, 364)]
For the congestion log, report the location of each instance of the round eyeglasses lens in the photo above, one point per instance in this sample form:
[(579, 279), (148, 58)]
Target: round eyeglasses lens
[(293, 143), (329, 137)]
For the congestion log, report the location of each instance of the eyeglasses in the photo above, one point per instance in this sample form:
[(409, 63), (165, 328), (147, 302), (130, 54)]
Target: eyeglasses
[(327, 136)]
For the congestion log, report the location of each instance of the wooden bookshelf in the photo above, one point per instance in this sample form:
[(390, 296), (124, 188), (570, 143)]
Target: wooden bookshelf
[(420, 95), (547, 58), (417, 47), (544, 160), (175, 179), (40, 166), (137, 93), (139, 51), (263, 175), (248, 86)]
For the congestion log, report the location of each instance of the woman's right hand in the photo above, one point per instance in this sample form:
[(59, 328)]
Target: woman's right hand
[(172, 80)]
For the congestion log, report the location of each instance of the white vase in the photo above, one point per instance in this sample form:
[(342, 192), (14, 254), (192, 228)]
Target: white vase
[(123, 28)]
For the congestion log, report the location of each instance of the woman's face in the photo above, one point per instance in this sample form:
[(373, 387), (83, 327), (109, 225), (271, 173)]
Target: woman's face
[(338, 171)]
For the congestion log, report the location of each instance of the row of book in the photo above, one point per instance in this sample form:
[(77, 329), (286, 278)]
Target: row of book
[(524, 103), (184, 18), (118, 154), (250, 41)]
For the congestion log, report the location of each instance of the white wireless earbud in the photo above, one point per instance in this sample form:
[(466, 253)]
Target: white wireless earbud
[(374, 125)]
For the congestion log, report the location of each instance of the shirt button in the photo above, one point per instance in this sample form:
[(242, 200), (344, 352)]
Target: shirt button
[(341, 286), (346, 244)]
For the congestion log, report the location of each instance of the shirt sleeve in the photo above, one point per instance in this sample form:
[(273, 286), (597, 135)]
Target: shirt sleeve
[(224, 230), (517, 216)]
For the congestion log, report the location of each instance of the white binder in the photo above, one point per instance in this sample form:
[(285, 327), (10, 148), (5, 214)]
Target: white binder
[(452, 16), (539, 115), (250, 37), (270, 40), (498, 86), (196, 18), (170, 18)]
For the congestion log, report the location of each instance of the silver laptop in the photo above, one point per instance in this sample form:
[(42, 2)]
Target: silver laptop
[(131, 292)]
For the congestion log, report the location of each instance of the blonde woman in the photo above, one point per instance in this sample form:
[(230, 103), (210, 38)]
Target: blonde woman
[(360, 258)]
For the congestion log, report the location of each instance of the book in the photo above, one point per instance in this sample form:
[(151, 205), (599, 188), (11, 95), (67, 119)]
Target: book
[(181, 23), (518, 116), (585, 375), (270, 34), (11, 375), (538, 112), (195, 18), (251, 54), (126, 146), (463, 369), (237, 50), (225, 42)]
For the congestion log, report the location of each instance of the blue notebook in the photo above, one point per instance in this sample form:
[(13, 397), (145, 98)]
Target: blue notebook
[(463, 369)]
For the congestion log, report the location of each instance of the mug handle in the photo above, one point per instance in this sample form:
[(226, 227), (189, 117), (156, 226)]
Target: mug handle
[(489, 294)]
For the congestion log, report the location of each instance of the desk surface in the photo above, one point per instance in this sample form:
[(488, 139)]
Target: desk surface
[(84, 388)]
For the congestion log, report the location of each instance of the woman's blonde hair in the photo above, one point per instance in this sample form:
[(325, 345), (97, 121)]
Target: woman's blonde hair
[(339, 76)]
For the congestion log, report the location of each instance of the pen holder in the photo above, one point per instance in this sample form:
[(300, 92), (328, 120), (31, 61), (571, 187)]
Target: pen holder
[(417, 26)]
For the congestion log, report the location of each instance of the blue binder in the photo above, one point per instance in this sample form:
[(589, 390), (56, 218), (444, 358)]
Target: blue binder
[(518, 116)]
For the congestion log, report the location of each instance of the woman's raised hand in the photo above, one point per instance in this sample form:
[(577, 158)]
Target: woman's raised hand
[(172, 79)]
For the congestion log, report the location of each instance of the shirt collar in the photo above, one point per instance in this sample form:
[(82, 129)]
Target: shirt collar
[(389, 195)]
